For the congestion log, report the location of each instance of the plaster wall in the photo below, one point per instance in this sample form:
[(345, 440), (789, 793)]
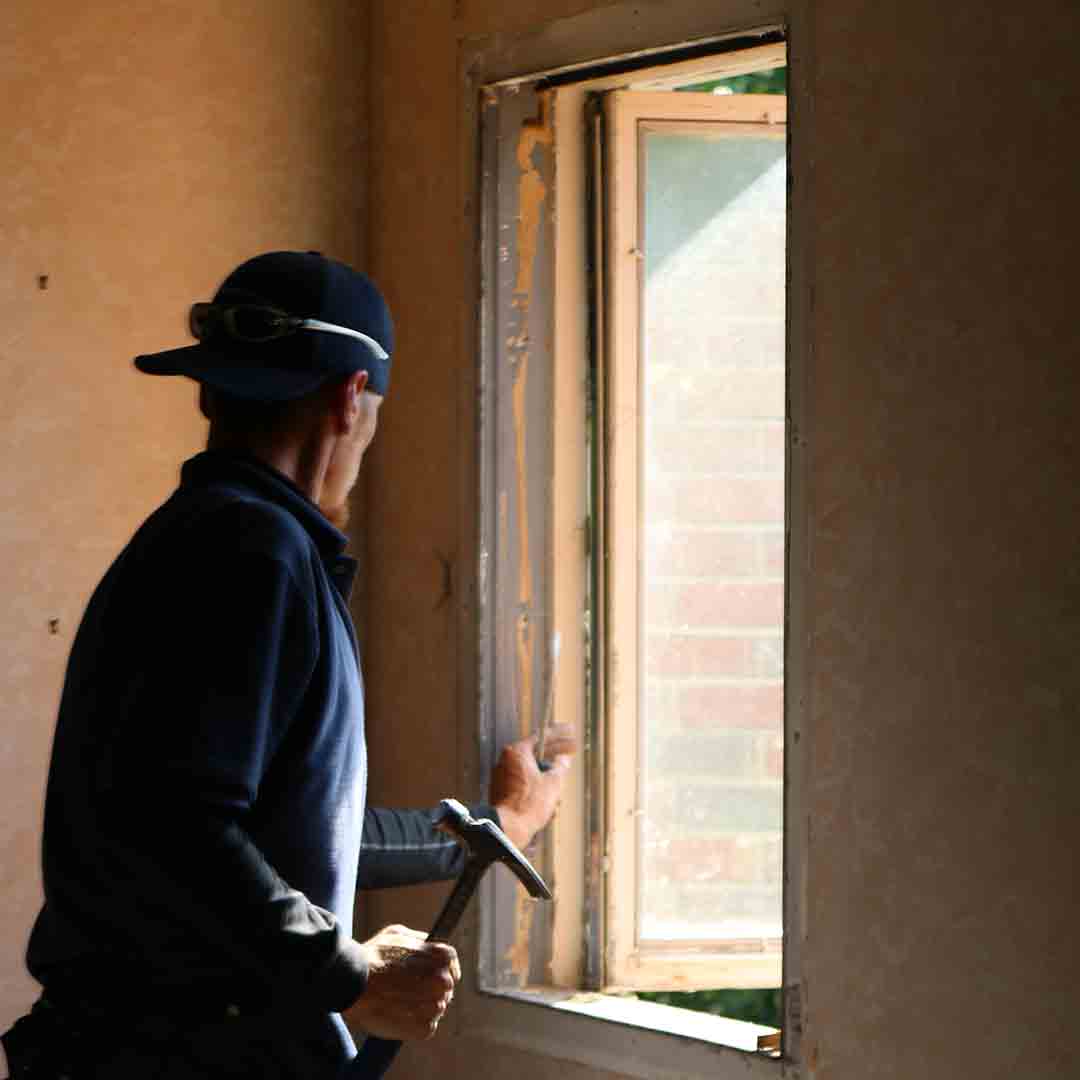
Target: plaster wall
[(147, 147), (937, 388), (944, 598), (150, 146)]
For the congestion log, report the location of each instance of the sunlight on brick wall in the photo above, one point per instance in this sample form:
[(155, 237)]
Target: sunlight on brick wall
[(713, 573)]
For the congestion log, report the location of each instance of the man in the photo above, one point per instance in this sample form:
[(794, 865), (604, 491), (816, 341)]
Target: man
[(205, 825)]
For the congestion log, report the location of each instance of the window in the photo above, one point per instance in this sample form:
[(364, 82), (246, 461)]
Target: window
[(694, 538), (633, 495)]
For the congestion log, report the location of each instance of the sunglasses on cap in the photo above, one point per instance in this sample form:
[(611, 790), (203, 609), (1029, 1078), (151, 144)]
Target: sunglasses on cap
[(255, 324)]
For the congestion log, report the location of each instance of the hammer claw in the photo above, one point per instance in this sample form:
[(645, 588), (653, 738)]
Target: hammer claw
[(487, 843)]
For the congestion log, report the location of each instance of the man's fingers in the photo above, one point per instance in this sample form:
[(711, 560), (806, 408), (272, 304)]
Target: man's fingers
[(410, 984), (443, 958), (452, 962), (435, 973), (405, 931), (449, 956), (413, 989), (560, 740), (416, 944), (446, 953), (426, 989), (560, 747)]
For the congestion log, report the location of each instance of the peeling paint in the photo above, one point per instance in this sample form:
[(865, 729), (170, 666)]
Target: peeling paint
[(532, 194), (536, 133), (532, 191), (518, 954)]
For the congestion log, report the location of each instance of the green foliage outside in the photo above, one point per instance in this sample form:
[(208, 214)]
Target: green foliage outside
[(756, 82), (757, 1006)]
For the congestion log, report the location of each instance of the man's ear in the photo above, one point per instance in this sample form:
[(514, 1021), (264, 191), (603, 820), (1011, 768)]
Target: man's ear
[(347, 400)]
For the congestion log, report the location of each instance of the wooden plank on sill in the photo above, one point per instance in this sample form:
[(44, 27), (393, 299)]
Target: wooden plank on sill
[(769, 1043)]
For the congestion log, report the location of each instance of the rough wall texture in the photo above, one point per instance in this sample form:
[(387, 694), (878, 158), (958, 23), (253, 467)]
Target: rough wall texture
[(939, 557), (147, 147), (945, 597)]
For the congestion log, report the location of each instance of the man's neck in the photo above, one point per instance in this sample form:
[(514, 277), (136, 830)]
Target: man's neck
[(303, 461)]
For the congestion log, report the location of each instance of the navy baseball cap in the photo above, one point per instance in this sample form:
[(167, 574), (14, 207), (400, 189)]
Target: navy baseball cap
[(280, 325)]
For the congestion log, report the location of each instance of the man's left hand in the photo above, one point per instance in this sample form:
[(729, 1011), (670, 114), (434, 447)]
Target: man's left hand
[(524, 795)]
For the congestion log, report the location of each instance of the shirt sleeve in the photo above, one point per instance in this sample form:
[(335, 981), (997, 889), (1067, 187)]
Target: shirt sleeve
[(403, 847), (206, 713)]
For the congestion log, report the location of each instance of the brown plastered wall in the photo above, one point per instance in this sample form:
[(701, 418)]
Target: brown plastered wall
[(944, 604), (938, 386), (147, 148)]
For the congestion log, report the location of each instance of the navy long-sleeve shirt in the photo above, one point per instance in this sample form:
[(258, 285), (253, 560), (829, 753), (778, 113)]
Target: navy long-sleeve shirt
[(205, 824)]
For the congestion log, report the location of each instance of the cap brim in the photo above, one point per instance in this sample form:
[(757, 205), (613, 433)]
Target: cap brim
[(255, 382)]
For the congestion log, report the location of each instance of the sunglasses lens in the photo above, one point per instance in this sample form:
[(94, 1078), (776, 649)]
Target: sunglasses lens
[(201, 321), (243, 322), (255, 323)]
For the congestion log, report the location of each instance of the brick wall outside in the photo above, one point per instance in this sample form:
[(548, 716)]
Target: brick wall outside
[(712, 600), (712, 675)]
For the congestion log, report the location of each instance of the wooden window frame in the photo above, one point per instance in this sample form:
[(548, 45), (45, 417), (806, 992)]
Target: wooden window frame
[(552, 1019), (629, 963)]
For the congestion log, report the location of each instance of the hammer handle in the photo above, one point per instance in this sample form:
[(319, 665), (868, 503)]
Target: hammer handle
[(377, 1055), (446, 922), (373, 1059)]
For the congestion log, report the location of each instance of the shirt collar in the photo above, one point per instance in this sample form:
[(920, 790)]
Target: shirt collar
[(229, 466)]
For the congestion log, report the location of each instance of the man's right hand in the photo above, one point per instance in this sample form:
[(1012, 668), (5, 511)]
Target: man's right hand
[(410, 984)]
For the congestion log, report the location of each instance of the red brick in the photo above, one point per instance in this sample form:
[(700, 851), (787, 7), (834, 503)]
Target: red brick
[(773, 438), (675, 755), (707, 606), (714, 498), (673, 655), (774, 762), (719, 707), (682, 448), (732, 857), (676, 347), (697, 554), (692, 859), (757, 552), (772, 553), (708, 808), (747, 276), (661, 700), (769, 655), (719, 393)]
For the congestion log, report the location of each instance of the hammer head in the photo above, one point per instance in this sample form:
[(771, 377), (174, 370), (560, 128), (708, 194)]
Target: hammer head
[(487, 843)]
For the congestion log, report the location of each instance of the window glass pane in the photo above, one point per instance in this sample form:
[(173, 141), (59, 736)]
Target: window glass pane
[(712, 499)]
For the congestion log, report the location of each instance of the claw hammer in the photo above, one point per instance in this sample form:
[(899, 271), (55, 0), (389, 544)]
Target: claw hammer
[(485, 843)]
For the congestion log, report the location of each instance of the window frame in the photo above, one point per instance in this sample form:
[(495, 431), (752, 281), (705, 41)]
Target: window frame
[(628, 114), (504, 1015)]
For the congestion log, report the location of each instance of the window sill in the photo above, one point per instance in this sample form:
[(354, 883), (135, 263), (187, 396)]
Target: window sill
[(718, 1030), (624, 1035)]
